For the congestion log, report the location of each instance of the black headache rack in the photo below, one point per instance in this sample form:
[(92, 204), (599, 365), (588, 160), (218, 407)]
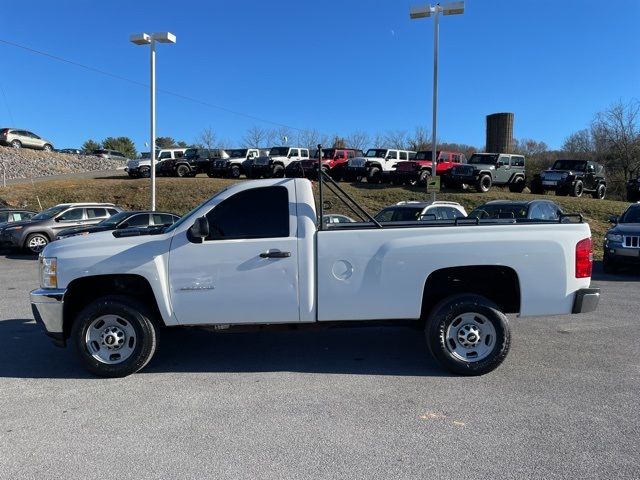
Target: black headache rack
[(137, 232)]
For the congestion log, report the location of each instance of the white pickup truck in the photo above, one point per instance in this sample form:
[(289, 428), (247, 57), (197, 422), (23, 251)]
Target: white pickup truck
[(254, 254)]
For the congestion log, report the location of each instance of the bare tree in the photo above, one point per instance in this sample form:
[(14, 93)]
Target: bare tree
[(358, 140), (396, 139), (421, 140), (255, 137), (308, 138), (280, 136), (207, 138), (529, 147), (579, 143), (379, 140), (338, 142)]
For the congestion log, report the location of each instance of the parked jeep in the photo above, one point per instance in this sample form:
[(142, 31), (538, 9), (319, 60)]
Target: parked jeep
[(633, 189), (572, 177), (334, 161), (486, 169), (233, 165), (418, 170), (193, 162), (274, 164), (376, 165)]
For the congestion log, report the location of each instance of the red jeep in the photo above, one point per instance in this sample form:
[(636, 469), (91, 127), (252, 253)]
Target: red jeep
[(333, 162), (417, 170)]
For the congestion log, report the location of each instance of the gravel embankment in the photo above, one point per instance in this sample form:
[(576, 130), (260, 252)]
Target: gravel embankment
[(26, 163)]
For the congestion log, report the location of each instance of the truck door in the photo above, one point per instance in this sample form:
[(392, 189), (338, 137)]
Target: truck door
[(590, 176), (503, 170), (246, 270)]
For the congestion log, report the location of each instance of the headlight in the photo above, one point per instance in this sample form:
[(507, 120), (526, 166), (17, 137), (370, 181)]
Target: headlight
[(48, 272), (614, 237)]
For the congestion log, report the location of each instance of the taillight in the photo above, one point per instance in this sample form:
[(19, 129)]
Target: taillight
[(584, 258), (4, 132)]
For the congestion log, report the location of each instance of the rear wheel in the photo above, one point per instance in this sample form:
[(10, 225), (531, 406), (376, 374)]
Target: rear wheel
[(467, 334), (484, 183), (36, 242), (16, 144), (375, 175), (114, 336), (600, 192), (182, 171)]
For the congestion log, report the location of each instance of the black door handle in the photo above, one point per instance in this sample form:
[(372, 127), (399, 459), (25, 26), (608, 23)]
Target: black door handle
[(275, 254)]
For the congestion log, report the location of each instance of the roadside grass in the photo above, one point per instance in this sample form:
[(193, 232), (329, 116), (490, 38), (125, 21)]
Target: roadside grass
[(179, 195)]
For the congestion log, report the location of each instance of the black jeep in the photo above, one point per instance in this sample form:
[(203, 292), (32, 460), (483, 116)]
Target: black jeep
[(633, 189), (572, 177)]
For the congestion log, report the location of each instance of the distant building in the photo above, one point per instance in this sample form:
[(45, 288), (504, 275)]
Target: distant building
[(500, 132)]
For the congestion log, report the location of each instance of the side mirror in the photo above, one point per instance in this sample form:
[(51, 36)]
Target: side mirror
[(200, 229), (613, 219), (57, 219)]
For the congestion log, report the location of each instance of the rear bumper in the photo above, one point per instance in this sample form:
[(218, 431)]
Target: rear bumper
[(586, 300), (47, 307)]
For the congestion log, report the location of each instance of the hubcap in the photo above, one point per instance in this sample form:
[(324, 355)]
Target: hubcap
[(470, 337), (37, 244), (110, 339)]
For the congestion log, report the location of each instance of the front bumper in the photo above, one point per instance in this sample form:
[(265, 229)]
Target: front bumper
[(622, 255), (460, 179), (47, 307), (12, 238), (405, 175), (586, 300)]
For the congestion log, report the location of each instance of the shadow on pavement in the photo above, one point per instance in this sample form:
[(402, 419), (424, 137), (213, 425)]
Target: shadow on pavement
[(624, 274), (25, 352)]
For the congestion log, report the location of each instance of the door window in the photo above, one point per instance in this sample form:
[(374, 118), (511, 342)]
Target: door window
[(162, 219), (404, 156), (164, 155), (140, 220), (444, 157), (96, 213), (504, 161), (392, 155), (255, 213), (73, 214), (517, 161), (304, 153), (112, 211)]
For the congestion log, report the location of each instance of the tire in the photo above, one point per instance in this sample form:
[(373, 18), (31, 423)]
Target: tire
[(423, 178), (601, 192), (182, 171), (536, 188), (16, 144), (374, 175), (484, 183), (36, 242), (145, 173), (235, 171), (458, 323), (578, 189), (517, 186), (277, 171), (210, 175), (126, 324), (47, 147)]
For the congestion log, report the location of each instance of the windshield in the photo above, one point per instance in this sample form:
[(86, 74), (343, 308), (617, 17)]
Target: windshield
[(187, 215), (579, 165), (279, 152), (399, 214), (500, 211), (114, 220), (49, 213), (326, 153), (237, 153), (483, 159), (376, 152), (632, 215), (145, 155)]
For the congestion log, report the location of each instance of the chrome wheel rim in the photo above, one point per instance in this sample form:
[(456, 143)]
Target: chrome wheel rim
[(110, 339), (36, 244), (470, 337)]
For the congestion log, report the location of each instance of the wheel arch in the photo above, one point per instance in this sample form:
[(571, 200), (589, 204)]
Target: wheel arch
[(500, 284), (28, 233), (82, 291)]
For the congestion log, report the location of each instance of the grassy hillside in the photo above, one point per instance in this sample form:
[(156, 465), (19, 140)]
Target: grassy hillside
[(181, 195)]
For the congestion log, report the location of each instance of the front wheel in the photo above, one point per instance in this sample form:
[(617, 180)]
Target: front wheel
[(374, 176), (182, 171), (277, 171), (145, 172), (517, 186), (484, 184), (114, 336), (47, 148), (16, 144), (467, 334), (36, 242), (235, 171), (578, 189)]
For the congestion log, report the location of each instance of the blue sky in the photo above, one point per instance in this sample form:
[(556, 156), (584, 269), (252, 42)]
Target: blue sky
[(336, 66)]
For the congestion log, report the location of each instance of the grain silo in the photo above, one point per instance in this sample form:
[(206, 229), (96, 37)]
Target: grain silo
[(500, 132)]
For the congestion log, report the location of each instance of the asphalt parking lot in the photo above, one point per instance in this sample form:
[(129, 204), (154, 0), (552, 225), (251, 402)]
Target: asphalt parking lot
[(341, 403)]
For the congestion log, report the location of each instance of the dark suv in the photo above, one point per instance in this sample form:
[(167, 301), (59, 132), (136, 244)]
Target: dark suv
[(486, 169), (622, 241), (193, 162), (36, 233), (572, 177), (633, 189)]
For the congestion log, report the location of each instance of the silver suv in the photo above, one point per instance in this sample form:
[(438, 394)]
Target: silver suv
[(13, 137)]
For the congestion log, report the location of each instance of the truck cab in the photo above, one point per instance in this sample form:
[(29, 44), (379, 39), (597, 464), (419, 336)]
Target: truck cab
[(377, 164)]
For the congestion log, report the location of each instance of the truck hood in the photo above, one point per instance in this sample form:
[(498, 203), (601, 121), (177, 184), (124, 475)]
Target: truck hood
[(103, 254), (626, 229)]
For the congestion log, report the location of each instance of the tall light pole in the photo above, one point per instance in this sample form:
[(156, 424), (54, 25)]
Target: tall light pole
[(146, 39), (424, 11)]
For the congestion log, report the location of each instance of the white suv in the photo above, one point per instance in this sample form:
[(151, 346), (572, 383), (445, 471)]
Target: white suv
[(421, 211), (377, 164), (12, 137), (279, 159), (141, 167)]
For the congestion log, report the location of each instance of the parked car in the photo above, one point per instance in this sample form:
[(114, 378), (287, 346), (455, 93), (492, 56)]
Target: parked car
[(572, 177), (376, 165), (109, 154), (194, 161), (142, 167), (253, 255), (276, 163), (70, 151), (8, 216), (633, 189), (13, 137), (483, 170), (333, 218), (520, 210), (622, 241), (233, 165), (418, 211), (334, 161), (34, 234), (418, 170), (123, 220)]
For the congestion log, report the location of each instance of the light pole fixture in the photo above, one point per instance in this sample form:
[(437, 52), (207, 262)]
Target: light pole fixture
[(146, 39), (424, 11)]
